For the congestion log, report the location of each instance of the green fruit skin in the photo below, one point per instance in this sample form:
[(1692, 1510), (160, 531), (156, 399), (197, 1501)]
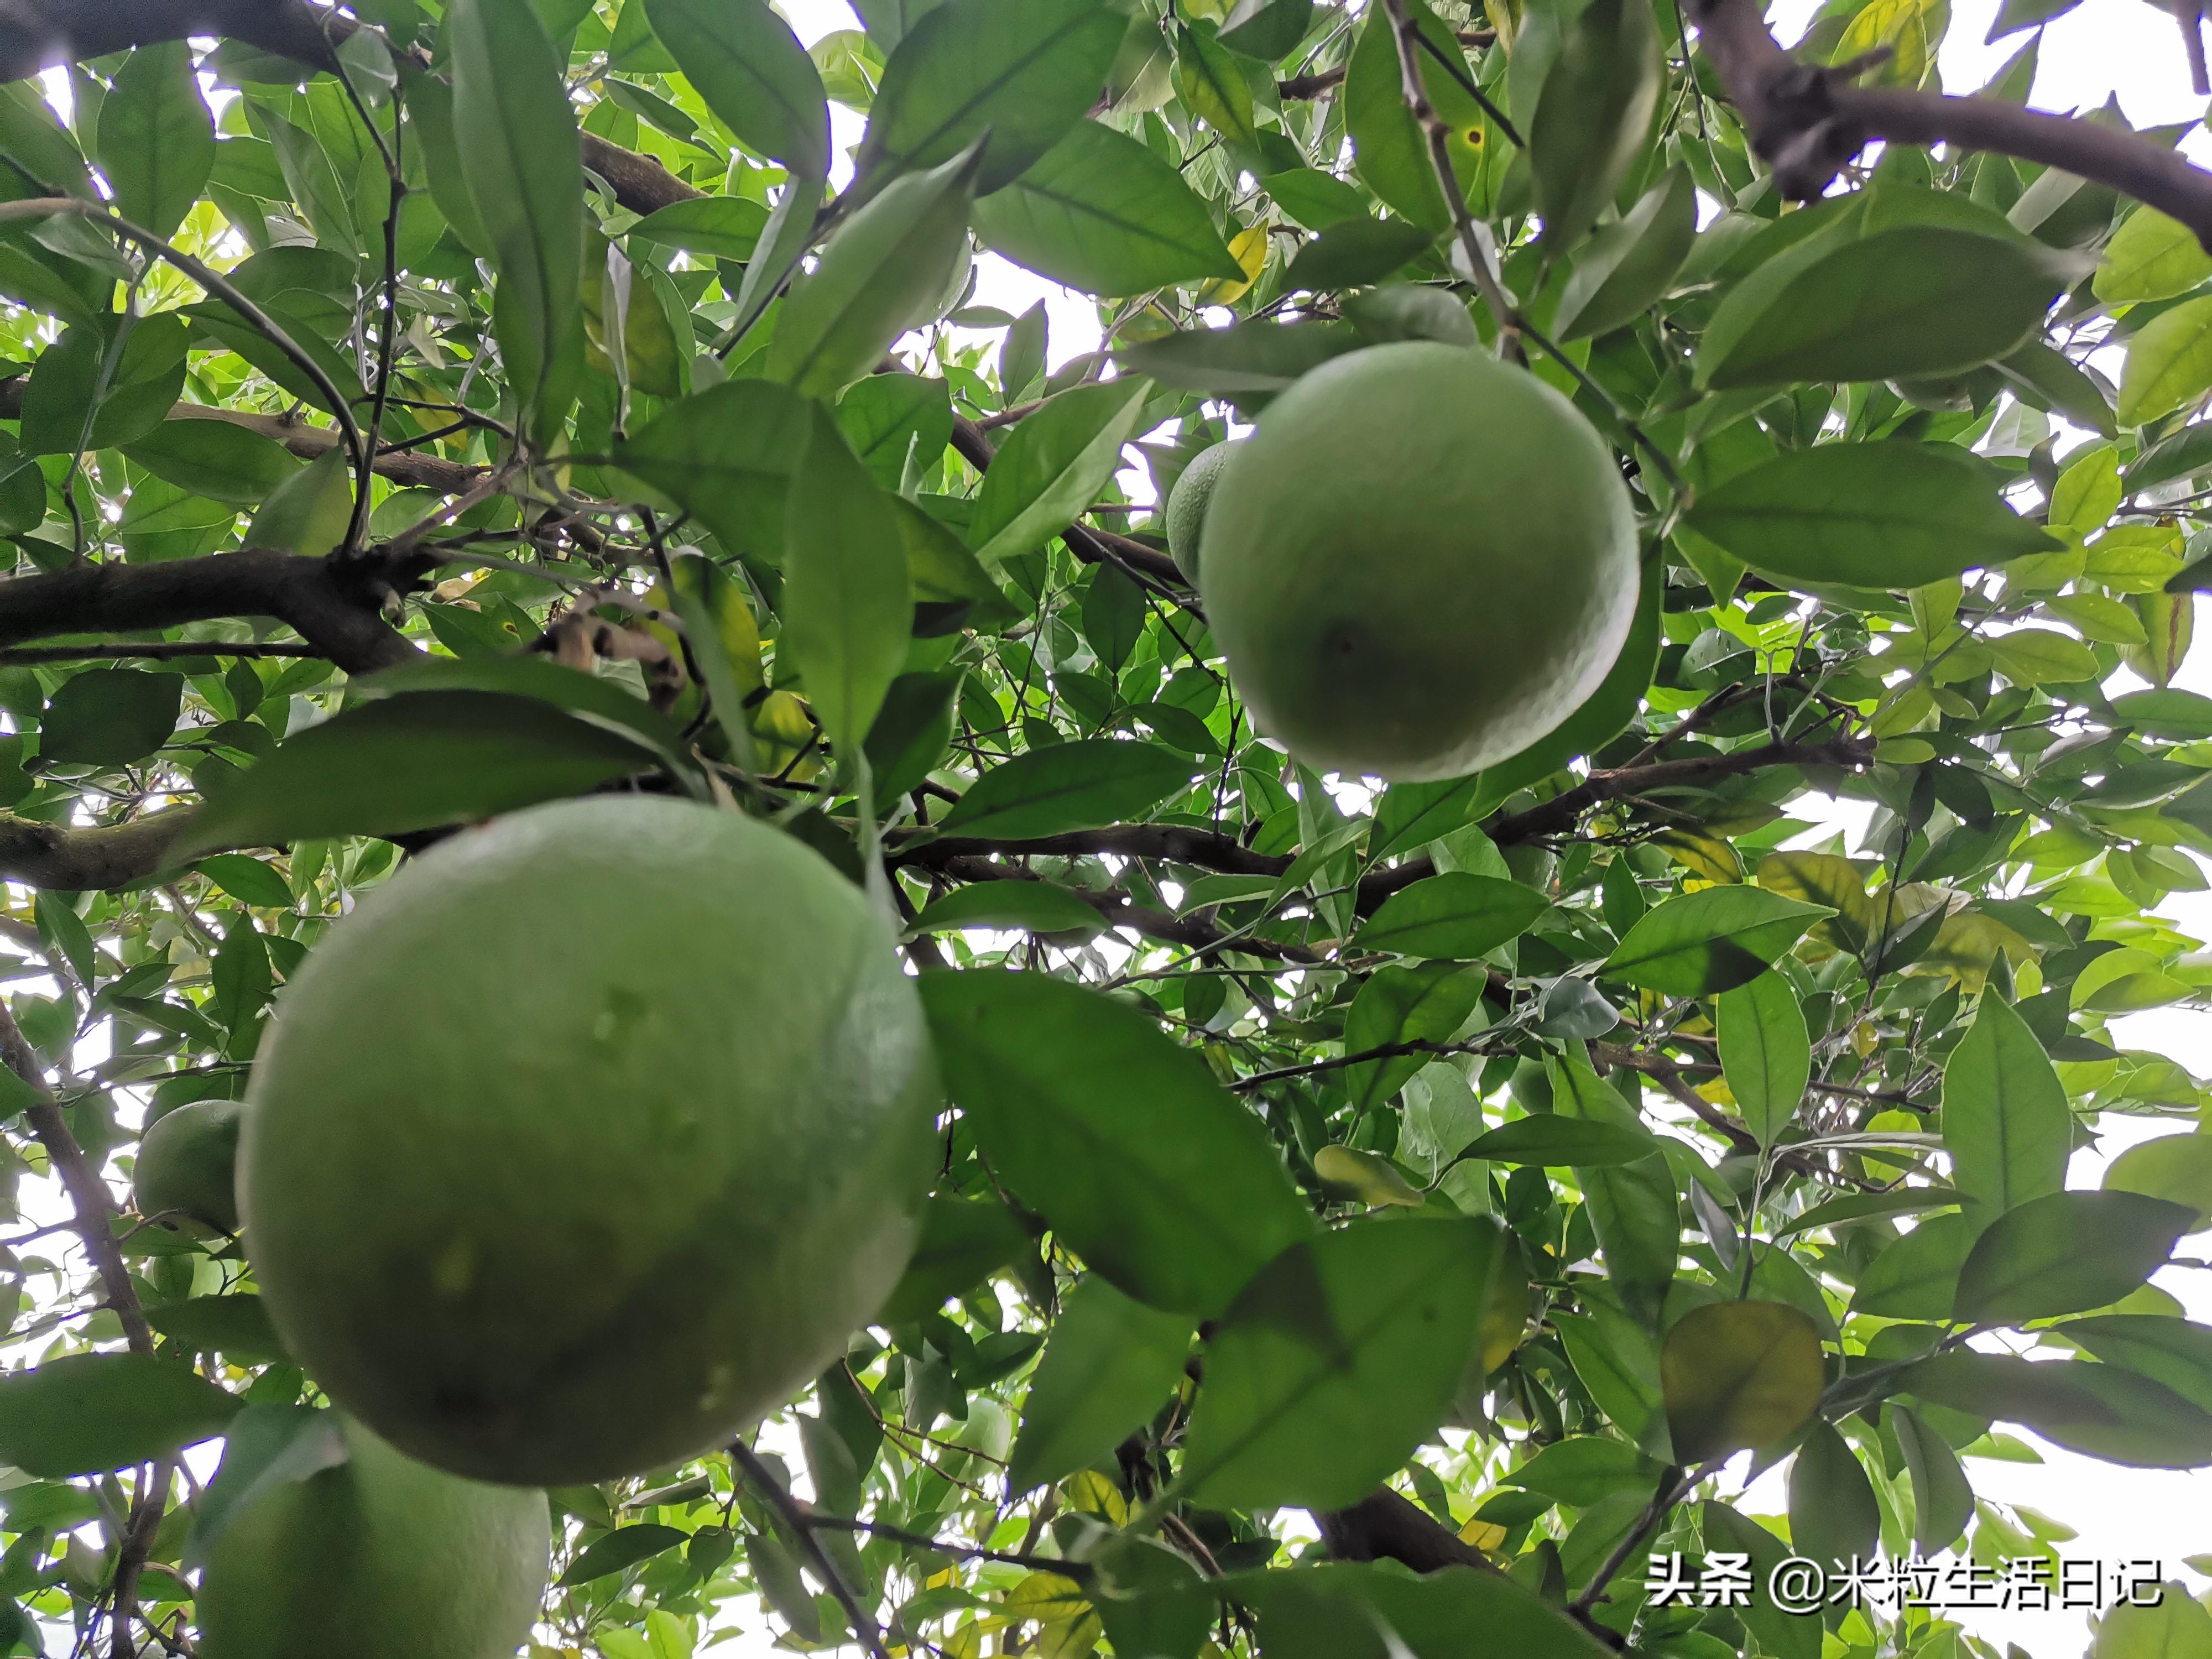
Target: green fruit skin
[(1187, 505), (376, 1558), (588, 1139), (188, 1165), (1422, 562)]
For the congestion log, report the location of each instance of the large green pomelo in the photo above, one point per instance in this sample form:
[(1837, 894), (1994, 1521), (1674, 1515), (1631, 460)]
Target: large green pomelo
[(1187, 505), (1422, 562), (587, 1140), (377, 1557), (188, 1165)]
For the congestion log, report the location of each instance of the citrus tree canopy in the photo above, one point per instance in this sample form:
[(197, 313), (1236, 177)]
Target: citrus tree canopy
[(668, 983)]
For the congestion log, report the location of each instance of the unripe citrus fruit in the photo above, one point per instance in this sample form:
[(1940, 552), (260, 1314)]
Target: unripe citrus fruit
[(1422, 562), (187, 1166), (586, 1139), (376, 1558), (1187, 504)]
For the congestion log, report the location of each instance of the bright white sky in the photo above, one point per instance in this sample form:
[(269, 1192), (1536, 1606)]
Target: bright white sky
[(2106, 46)]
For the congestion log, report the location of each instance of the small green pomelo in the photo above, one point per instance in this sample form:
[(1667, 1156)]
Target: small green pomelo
[(1422, 562), (187, 1166), (588, 1139), (376, 1558), (1187, 504)]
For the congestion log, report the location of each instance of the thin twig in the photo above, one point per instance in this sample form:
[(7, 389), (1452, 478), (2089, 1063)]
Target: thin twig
[(802, 1522)]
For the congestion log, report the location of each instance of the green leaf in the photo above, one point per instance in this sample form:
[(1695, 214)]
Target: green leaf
[(1108, 1365), (268, 1446), (309, 512), (1557, 1142), (1411, 815), (726, 457), (719, 227), (156, 141), (1212, 86), (1335, 1361), (1266, 29), (1359, 250), (1916, 300), (234, 1325), (1738, 1375), (2173, 1627), (1942, 1499), (604, 702), (1144, 1164), (213, 459), (1617, 1362), (1053, 468), (1887, 515), (1790, 1635), (2101, 1411), (2176, 1353), (1356, 1610), (412, 762), (1917, 1277), (2178, 1168), (1858, 1207), (1593, 115), (909, 736), (624, 1547), (1101, 213), (248, 880), (1458, 915), (848, 604), (64, 934), (1428, 1004), (885, 417), (1634, 1207), (2066, 1253), (1629, 264), (1713, 940), (516, 132), (111, 716), (1067, 787), (2169, 363), (963, 1243), (1035, 906), (2150, 257), (233, 334), (1246, 357), (1367, 1178), (1586, 1468), (1765, 1053), (1388, 149), (887, 262), (1022, 71), (2005, 1122), (1834, 1516), (91, 1413), (745, 61)]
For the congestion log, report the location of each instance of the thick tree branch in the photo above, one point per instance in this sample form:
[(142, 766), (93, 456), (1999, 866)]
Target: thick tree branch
[(1558, 815), (1385, 1526), (91, 858), (1118, 909), (1807, 120), (336, 613)]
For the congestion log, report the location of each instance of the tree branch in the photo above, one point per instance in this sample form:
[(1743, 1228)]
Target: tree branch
[(90, 858), (338, 615), (90, 1202), (1807, 121), (1385, 1526), (1558, 815), (1120, 910)]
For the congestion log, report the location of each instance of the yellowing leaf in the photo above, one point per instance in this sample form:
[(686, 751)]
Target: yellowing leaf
[(1739, 1373), (1366, 1176), (1248, 248)]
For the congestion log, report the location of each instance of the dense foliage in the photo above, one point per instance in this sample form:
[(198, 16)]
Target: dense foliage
[(418, 414)]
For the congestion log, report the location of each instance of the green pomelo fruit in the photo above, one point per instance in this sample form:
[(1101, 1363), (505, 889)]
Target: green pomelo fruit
[(587, 1140), (1187, 504), (187, 1166), (1421, 562), (376, 1558)]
